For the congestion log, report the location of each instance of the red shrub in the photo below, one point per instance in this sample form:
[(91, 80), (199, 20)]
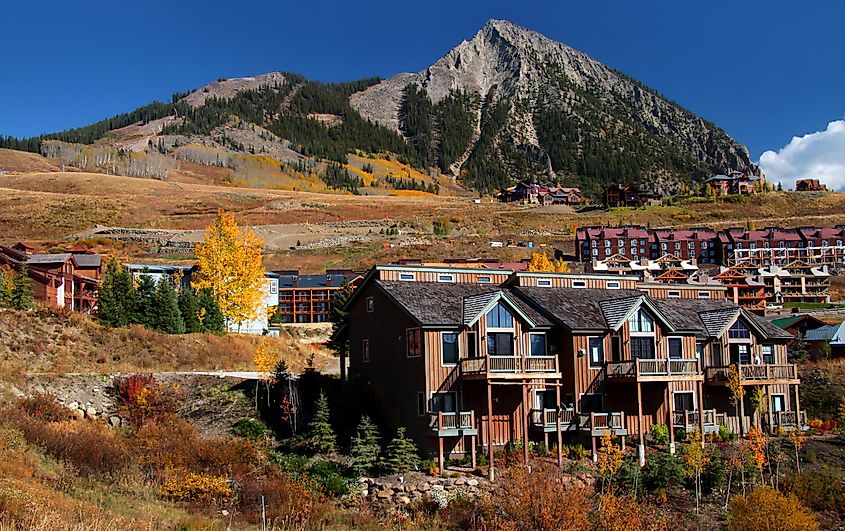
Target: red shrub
[(141, 398), (44, 406)]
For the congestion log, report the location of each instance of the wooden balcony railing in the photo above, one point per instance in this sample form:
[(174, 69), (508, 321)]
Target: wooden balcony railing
[(596, 423), (754, 373), (688, 420), (460, 421), (652, 368), (790, 419), (614, 420), (500, 365)]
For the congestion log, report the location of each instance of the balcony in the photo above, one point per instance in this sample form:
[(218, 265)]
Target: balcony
[(510, 367), (790, 420), (765, 373), (453, 424), (596, 423), (653, 370), (688, 420)]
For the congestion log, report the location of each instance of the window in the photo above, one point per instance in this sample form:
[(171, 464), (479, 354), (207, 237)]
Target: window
[(674, 294), (595, 345), (544, 282), (472, 344), (595, 252), (703, 294), (740, 353), (449, 350), (407, 276), (607, 243), (414, 342), (676, 348), (738, 330), (641, 322), (483, 280), (370, 305), (690, 245), (704, 245), (537, 343), (612, 284), (500, 344), (499, 317), (420, 404), (716, 349), (615, 348), (579, 284), (768, 354), (595, 243), (642, 348), (699, 349), (621, 243), (684, 401), (778, 403), (544, 399), (677, 246), (591, 403), (444, 402), (663, 246), (445, 278), (365, 350)]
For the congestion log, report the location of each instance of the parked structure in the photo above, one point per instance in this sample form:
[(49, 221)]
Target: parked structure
[(467, 359), (809, 185), (796, 282), (64, 280), (735, 183), (628, 195), (307, 299), (832, 335)]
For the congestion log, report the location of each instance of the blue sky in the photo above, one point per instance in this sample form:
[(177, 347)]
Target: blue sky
[(765, 71)]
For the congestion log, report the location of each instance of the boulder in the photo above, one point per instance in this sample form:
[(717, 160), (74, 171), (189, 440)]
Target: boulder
[(77, 414), (73, 405), (90, 413), (424, 487), (404, 500), (472, 482), (384, 494), (114, 421)]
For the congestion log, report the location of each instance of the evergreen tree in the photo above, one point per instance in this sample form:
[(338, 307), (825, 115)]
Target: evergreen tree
[(322, 438), (143, 304), (115, 296), (211, 318), (401, 454), (167, 317), (365, 447), (5, 288), (22, 297), (339, 339), (189, 308)]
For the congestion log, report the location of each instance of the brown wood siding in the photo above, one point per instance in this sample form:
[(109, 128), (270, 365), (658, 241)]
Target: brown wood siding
[(684, 291), (496, 277), (567, 282)]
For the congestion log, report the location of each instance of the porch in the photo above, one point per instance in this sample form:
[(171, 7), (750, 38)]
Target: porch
[(452, 424), (764, 373), (653, 370), (689, 421), (510, 367), (596, 423)]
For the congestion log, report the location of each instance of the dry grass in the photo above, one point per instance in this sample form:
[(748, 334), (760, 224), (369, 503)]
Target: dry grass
[(52, 342)]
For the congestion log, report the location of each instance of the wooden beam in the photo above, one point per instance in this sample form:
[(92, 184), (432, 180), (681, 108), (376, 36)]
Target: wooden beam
[(742, 415), (640, 435), (491, 473), (474, 459), (769, 407), (440, 461), (525, 422), (671, 422), (557, 428), (700, 389)]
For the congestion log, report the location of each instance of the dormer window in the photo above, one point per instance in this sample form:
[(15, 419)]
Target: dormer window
[(641, 322), (674, 294), (407, 276), (483, 280), (446, 278), (703, 294), (499, 317), (739, 331)]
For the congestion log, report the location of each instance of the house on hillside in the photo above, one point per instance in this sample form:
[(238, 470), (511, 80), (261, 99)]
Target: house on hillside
[(468, 365), (809, 185), (629, 195), (305, 299), (735, 183), (542, 194), (833, 335), (798, 326), (63, 280)]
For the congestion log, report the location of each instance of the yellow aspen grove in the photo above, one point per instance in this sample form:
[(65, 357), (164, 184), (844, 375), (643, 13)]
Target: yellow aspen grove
[(561, 266), (540, 262), (230, 265)]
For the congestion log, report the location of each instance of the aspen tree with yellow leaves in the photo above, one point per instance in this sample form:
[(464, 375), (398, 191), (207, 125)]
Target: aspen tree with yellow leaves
[(540, 262), (230, 266)]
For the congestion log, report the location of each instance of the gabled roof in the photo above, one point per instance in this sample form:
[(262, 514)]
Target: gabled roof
[(786, 322), (717, 321), (711, 317), (476, 306), (833, 333), (617, 311)]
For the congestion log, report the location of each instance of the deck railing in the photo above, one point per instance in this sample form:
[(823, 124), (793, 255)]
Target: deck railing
[(652, 367), (614, 420), (689, 419), (790, 418), (460, 420), (753, 373), (509, 364)]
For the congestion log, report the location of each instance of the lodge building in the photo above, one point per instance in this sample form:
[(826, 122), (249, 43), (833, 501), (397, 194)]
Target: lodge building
[(471, 360)]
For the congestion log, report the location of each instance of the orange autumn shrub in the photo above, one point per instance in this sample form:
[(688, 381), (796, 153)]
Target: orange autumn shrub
[(766, 508), (197, 488)]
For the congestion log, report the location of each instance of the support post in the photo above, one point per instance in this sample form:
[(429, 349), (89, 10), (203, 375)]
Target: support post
[(491, 468), (797, 403), (593, 444), (742, 416), (671, 422), (525, 422), (342, 362), (700, 388), (440, 461), (640, 434), (769, 407), (474, 459), (557, 427)]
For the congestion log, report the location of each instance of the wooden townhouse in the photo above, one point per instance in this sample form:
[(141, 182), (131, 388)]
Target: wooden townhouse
[(63, 280), (470, 360)]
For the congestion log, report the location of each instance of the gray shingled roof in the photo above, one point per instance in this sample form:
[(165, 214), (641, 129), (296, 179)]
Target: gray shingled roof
[(708, 317), (474, 304), (615, 310), (442, 303), (52, 258), (577, 309), (87, 260), (715, 321)]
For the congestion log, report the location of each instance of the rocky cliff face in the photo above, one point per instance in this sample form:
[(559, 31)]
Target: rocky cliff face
[(532, 74)]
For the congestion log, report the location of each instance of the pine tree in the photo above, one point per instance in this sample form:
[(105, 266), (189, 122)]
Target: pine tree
[(211, 318), (143, 305), (115, 296), (401, 454), (339, 337), (322, 438), (189, 308), (5, 288), (166, 314), (22, 297), (365, 447)]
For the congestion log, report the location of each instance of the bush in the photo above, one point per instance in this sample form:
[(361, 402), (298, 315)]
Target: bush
[(45, 407), (575, 451), (141, 399), (291, 463), (713, 474), (198, 488), (662, 471), (288, 504), (401, 454), (251, 429), (329, 477), (660, 434), (766, 508), (823, 490)]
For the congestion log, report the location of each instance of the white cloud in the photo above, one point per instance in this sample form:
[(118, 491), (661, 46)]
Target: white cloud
[(818, 155)]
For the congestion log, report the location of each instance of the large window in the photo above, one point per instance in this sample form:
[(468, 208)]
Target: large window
[(740, 353), (642, 348), (676, 348), (414, 343), (444, 402), (591, 403), (499, 317), (768, 354), (538, 344), (641, 322), (472, 344), (738, 330), (449, 353), (500, 344), (684, 401), (596, 351)]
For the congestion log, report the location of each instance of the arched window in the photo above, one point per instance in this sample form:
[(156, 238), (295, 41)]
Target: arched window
[(499, 317)]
